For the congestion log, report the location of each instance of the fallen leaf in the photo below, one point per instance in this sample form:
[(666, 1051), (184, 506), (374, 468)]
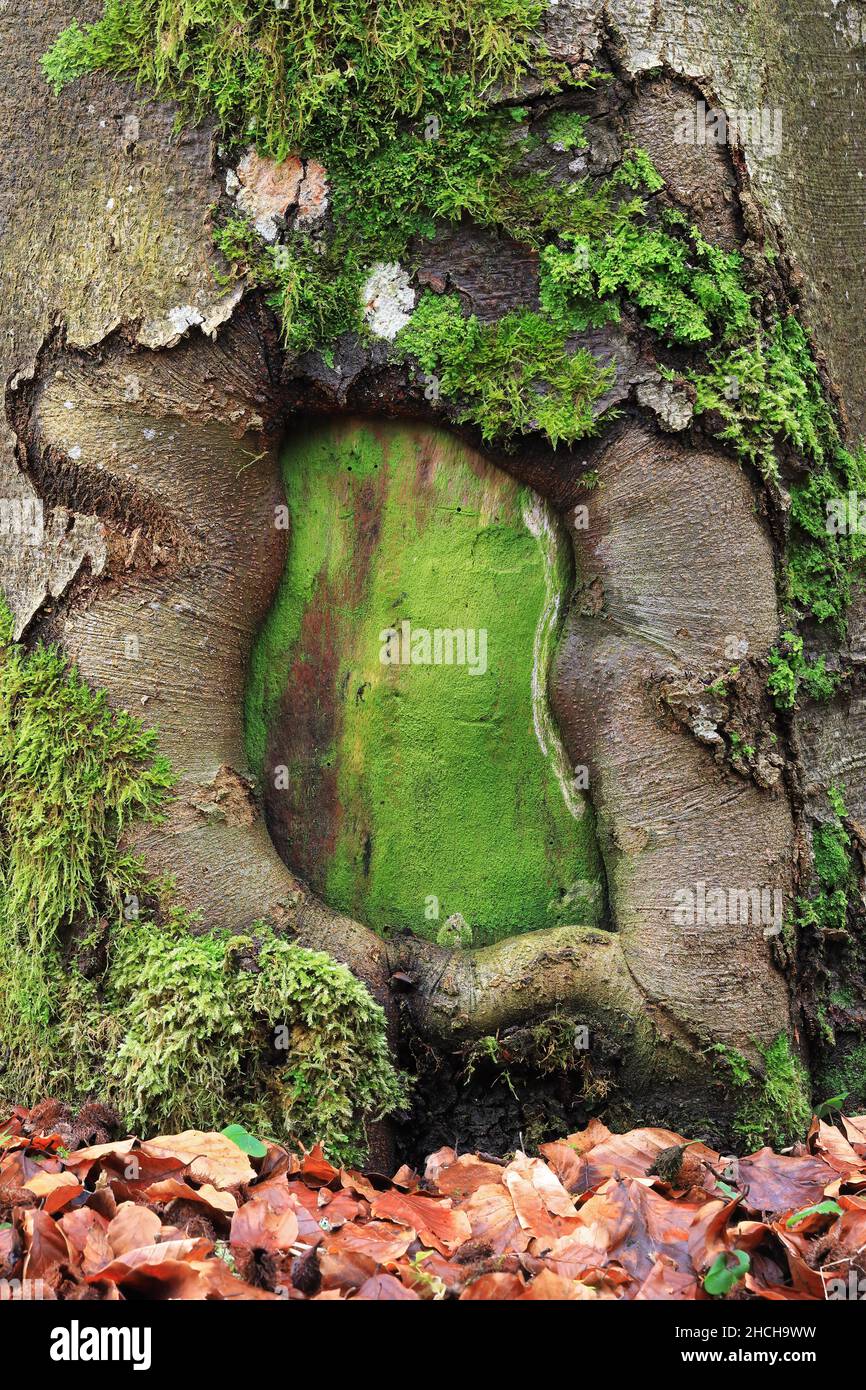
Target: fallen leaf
[(435, 1221), (212, 1157), (493, 1287), (171, 1189), (547, 1286), (149, 1259), (46, 1244), (385, 1288), (133, 1227), (466, 1175), (831, 1145), (259, 1226), (381, 1240), (780, 1182), (44, 1183), (493, 1220)]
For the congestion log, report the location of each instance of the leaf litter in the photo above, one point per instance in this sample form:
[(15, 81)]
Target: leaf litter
[(597, 1215)]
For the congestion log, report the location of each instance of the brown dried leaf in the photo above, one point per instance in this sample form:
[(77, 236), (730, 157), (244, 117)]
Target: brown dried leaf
[(381, 1240), (489, 1287), (782, 1182), (210, 1157), (133, 1227), (385, 1288), (258, 1225), (436, 1223), (547, 1286), (171, 1189)]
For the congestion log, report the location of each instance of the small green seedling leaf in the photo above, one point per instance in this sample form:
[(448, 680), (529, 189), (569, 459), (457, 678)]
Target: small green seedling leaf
[(721, 1277), (244, 1140), (834, 1103), (830, 1207)]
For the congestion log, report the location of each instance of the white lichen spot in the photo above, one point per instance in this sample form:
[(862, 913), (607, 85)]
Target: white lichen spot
[(149, 434), (165, 332), (388, 299), (183, 316), (672, 407), (75, 452)]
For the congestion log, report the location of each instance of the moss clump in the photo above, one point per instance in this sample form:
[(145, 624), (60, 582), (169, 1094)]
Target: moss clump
[(292, 1046), (315, 290), (555, 1045), (846, 1075), (566, 131), (766, 389), (164, 1024), (831, 848), (774, 1106), (282, 74), (683, 288), (513, 376), (74, 774), (394, 99), (790, 671), (391, 97), (833, 861)]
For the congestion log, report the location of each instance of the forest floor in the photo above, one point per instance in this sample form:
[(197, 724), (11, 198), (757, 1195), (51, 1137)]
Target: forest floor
[(596, 1215)]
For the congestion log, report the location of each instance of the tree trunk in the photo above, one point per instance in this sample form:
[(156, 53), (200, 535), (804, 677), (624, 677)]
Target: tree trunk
[(147, 406)]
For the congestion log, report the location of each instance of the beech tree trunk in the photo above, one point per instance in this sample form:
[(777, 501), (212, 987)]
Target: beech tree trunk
[(146, 406)]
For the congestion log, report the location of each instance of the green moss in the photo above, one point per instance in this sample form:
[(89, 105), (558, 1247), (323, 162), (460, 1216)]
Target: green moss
[(390, 97), (835, 874), (292, 1046), (553, 1046), (394, 99), (790, 670), (285, 74), (831, 846), (408, 139), (846, 1075), (685, 289), (74, 774), (513, 376), (766, 389), (638, 172), (566, 131), (774, 1103), (825, 565), (166, 1025), (314, 289), (843, 998), (417, 791), (738, 1067)]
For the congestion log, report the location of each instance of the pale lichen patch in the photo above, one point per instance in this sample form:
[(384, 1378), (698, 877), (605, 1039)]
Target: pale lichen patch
[(388, 299)]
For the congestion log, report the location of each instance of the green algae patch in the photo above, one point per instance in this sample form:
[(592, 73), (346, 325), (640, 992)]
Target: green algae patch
[(397, 706)]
